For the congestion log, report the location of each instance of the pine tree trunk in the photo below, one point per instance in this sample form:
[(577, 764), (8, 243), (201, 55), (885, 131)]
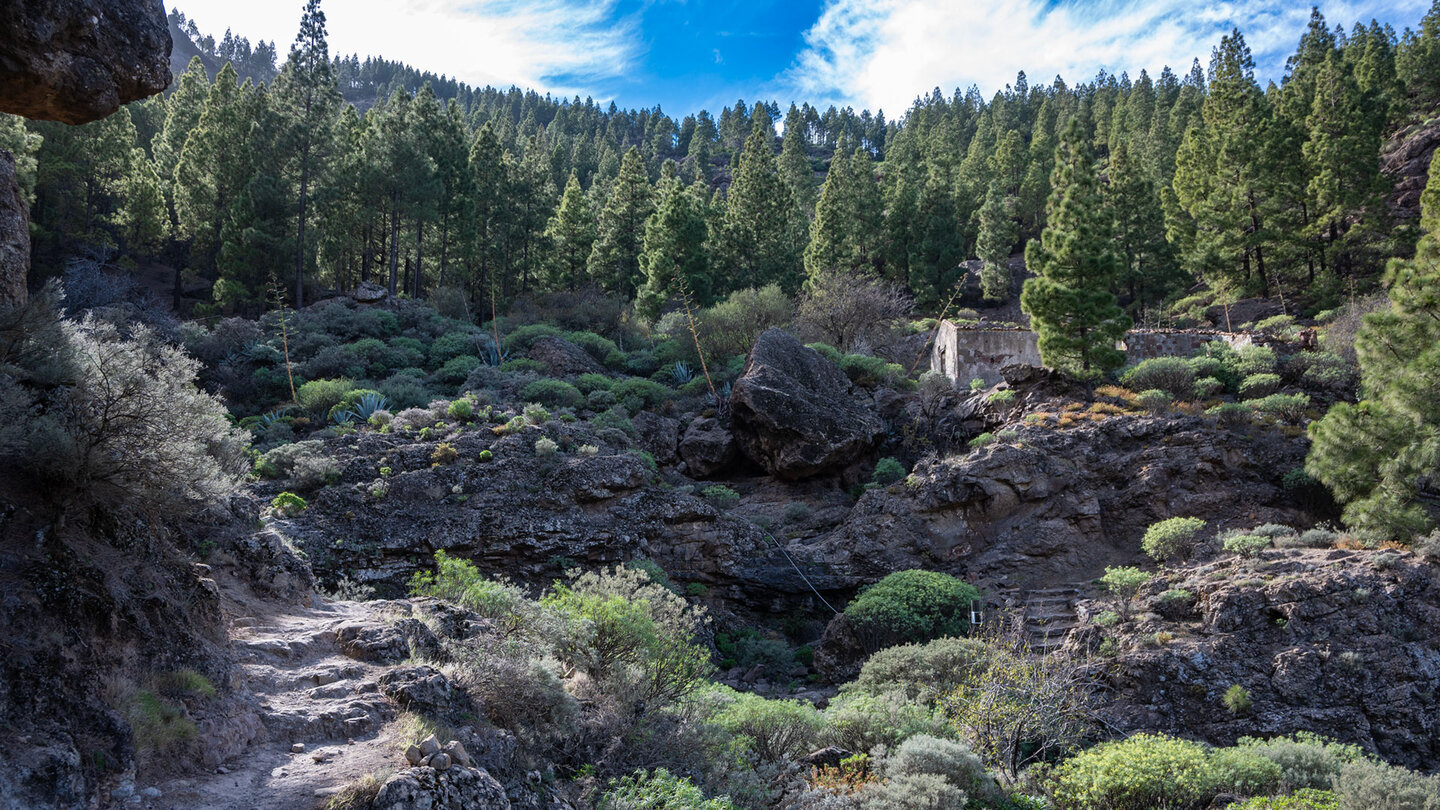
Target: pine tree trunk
[(394, 239), (444, 244), (365, 253), (300, 234), (419, 254)]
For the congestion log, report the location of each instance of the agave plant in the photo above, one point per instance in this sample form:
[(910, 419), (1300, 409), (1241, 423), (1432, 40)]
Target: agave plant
[(681, 372), (493, 354), (366, 406), (720, 403), (269, 418)]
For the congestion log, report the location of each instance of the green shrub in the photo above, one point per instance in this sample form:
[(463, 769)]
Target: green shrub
[(951, 760), (159, 727), (1285, 407), (485, 455), (1216, 365), (616, 418), (1245, 772), (767, 729), (858, 721), (554, 393), (637, 394), (1154, 399), (545, 446), (599, 401), (535, 414), (827, 351), (977, 384), (923, 672), (1144, 772), (591, 382), (459, 581), (451, 345), (1246, 545), (981, 440), (1369, 785), (319, 396), (1318, 537), (910, 606), (1171, 538), (460, 410), (596, 346), (1306, 799), (721, 496), (1305, 760), (1259, 385), (457, 369), (1230, 413), (288, 504), (444, 453), (660, 790), (1173, 375), (871, 372), (521, 338), (1237, 700), (888, 470), (1125, 583), (1004, 396), (1254, 360), (730, 327), (1177, 595), (1107, 618), (1208, 387)]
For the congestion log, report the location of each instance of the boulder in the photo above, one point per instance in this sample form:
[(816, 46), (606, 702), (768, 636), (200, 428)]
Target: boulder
[(382, 643), (78, 60), (796, 414), (561, 357), (420, 689), (456, 788), (707, 447), (658, 435), (369, 293), (14, 234)]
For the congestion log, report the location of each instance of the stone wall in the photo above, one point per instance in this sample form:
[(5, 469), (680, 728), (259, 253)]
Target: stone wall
[(967, 353)]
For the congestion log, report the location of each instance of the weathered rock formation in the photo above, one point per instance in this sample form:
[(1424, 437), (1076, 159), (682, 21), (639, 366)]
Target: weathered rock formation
[(561, 357), (796, 414), (14, 234), (1406, 159), (1340, 643), (455, 788), (78, 60)]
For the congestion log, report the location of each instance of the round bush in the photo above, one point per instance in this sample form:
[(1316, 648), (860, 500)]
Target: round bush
[(909, 606), (1154, 399), (1171, 538), (1259, 385), (924, 672), (554, 393), (1173, 375), (1144, 772), (887, 471)]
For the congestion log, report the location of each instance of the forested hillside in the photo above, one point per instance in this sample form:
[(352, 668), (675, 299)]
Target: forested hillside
[(331, 170)]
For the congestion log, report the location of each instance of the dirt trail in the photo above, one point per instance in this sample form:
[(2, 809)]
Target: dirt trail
[(303, 689)]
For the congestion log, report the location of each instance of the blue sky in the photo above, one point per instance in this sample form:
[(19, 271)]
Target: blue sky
[(871, 54)]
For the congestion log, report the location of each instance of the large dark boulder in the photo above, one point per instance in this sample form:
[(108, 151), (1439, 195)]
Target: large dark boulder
[(562, 358), (78, 60), (14, 234), (707, 447), (796, 414)]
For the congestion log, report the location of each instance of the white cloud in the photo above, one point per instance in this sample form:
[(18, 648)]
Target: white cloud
[(562, 46), (884, 53)]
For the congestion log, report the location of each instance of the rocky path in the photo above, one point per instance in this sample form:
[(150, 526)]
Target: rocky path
[(325, 722), (1050, 616)]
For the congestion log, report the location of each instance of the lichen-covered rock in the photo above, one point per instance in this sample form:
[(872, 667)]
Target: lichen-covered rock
[(387, 643), (561, 357), (14, 235), (657, 435), (422, 689), (368, 292), (78, 60), (1339, 643), (707, 447), (796, 414), (456, 788)]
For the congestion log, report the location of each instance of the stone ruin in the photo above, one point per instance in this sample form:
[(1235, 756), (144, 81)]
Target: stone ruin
[(964, 353)]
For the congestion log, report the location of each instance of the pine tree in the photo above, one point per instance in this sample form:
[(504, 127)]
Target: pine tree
[(1379, 455), (22, 144), (572, 235), (1069, 300), (936, 247), (675, 249), (145, 217), (307, 98), (998, 233), (213, 167), (1342, 155), (1149, 271), (489, 180), (183, 107), (795, 162), (761, 242), (614, 262)]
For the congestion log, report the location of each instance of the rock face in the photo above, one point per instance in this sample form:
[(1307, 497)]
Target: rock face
[(456, 788), (14, 235), (707, 447), (1406, 157), (79, 60), (561, 357), (1336, 642), (368, 292), (1055, 505), (795, 413)]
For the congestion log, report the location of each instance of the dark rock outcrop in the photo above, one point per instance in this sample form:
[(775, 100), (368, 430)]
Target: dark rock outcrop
[(14, 234), (1406, 159), (796, 414), (1335, 642), (707, 447), (455, 788), (78, 60), (561, 357)]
